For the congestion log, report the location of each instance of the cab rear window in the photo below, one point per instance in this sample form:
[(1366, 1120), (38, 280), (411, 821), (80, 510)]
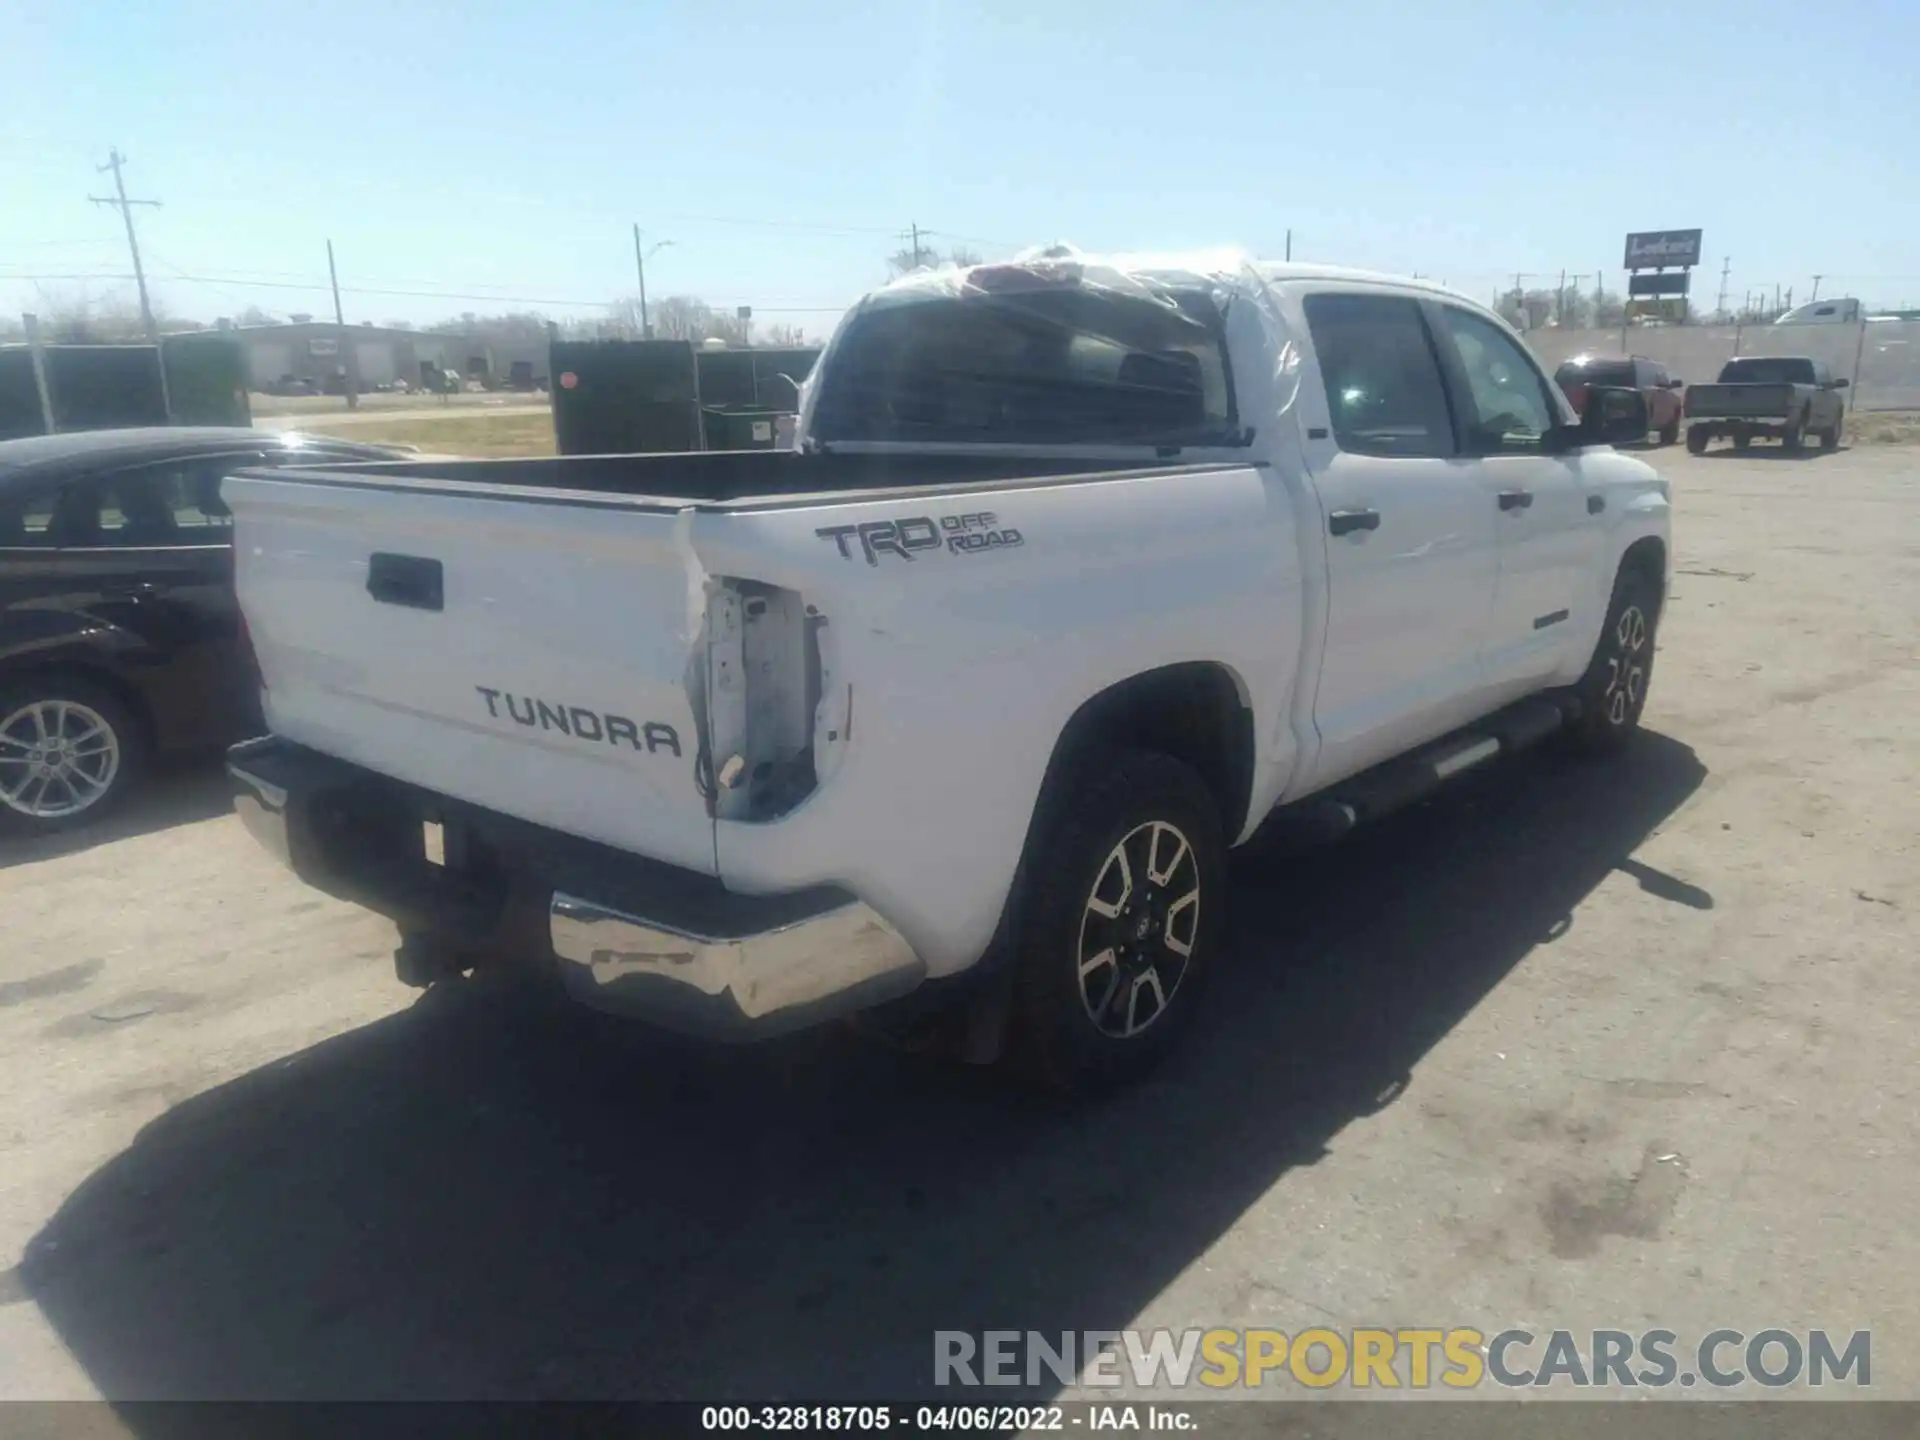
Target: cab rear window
[(1057, 365), (1763, 370), (1608, 373)]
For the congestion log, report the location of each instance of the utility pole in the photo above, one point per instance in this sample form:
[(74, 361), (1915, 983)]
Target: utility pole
[(1289, 243), (125, 206), (349, 355), (1816, 288), (916, 244), (640, 258), (1726, 268), (640, 266), (37, 352), (1560, 302)]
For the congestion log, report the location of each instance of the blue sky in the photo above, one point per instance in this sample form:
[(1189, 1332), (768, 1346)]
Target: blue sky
[(506, 149)]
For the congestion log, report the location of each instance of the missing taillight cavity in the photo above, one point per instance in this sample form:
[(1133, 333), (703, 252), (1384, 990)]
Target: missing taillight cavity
[(764, 683)]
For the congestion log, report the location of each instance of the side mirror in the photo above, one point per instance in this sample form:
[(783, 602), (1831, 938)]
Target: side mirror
[(1676, 384), (1613, 417), (1840, 384)]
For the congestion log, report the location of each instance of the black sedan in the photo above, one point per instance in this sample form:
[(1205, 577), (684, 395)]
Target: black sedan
[(119, 636)]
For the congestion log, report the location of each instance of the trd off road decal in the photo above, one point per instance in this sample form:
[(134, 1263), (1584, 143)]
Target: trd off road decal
[(904, 538)]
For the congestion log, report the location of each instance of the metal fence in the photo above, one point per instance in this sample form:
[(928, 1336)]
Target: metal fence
[(1887, 352)]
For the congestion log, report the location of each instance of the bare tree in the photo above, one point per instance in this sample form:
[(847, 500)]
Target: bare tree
[(785, 337), (675, 317)]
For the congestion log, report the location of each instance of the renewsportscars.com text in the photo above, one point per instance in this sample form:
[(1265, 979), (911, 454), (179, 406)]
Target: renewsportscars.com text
[(1459, 1358)]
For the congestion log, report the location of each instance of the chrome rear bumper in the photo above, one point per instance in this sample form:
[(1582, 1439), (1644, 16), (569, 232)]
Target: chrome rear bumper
[(699, 959), (830, 963)]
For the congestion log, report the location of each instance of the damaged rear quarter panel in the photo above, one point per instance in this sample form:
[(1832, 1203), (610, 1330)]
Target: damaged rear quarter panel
[(949, 672)]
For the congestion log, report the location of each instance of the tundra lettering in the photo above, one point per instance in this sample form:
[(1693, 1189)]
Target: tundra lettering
[(582, 723)]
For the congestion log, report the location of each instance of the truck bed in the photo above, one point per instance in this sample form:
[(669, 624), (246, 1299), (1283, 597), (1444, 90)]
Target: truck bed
[(1762, 401), (558, 640)]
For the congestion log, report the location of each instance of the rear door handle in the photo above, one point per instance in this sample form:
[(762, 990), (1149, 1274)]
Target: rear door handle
[(1343, 522), (1515, 499)]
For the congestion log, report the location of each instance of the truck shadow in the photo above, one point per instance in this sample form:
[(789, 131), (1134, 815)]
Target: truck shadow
[(495, 1195), (180, 793), (1771, 452)]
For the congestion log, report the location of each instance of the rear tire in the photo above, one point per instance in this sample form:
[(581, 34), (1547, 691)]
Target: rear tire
[(1613, 692), (1697, 440), (1670, 433), (1741, 440), (1794, 436), (69, 752), (1122, 910), (1830, 438)]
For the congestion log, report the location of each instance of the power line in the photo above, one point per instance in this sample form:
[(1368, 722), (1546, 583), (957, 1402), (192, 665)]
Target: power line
[(321, 285)]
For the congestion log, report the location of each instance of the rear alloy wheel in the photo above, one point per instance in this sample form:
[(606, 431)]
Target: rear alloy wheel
[(1138, 930), (1125, 891), (67, 752)]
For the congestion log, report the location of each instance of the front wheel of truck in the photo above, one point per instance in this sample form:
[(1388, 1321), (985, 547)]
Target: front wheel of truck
[(1613, 691), (1124, 899)]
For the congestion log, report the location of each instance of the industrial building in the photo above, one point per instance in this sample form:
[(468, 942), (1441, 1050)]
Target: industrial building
[(319, 351)]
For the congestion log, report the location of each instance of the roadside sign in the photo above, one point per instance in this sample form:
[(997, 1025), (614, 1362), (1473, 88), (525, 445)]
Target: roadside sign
[(1658, 283), (1662, 249), (1674, 312)]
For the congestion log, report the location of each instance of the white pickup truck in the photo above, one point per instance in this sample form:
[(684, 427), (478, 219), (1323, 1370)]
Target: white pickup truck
[(1081, 570)]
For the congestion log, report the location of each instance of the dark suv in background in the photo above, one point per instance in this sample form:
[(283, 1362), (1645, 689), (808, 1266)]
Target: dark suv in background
[(1659, 390)]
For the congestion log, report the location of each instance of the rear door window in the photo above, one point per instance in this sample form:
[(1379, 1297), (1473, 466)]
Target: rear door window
[(172, 504), (26, 520), (1382, 376)]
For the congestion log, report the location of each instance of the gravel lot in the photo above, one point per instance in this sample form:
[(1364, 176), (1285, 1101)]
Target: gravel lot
[(1625, 1045)]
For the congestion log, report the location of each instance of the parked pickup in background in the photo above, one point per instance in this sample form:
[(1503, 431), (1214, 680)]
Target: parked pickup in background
[(1082, 571), (1785, 396)]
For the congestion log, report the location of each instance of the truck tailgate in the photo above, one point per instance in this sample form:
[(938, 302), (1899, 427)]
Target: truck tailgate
[(539, 660), (1761, 402)]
